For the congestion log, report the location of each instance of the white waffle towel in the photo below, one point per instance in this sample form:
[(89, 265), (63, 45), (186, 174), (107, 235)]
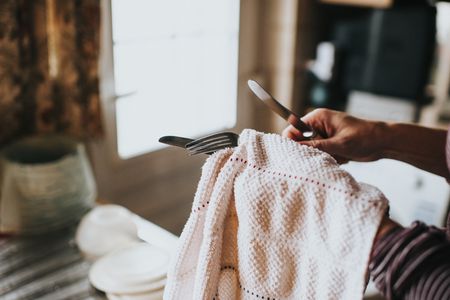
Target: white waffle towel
[(273, 219)]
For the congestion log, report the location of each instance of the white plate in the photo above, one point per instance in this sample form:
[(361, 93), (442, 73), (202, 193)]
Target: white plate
[(108, 286), (104, 229), (157, 295), (136, 269)]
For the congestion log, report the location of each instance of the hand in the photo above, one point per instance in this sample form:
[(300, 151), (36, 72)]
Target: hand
[(343, 136)]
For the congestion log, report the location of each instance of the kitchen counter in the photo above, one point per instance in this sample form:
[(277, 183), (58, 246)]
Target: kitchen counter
[(51, 266)]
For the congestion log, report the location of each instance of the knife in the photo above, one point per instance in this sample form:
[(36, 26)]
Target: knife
[(175, 141), (289, 116)]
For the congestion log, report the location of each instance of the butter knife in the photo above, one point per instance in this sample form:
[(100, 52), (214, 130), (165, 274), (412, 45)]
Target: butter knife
[(289, 116)]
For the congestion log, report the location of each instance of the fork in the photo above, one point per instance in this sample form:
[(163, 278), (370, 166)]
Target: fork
[(212, 143)]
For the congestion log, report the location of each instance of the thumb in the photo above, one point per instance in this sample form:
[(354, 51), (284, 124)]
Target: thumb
[(329, 145)]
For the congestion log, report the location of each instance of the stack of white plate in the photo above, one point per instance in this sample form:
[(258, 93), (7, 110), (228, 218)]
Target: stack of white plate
[(104, 229), (137, 272)]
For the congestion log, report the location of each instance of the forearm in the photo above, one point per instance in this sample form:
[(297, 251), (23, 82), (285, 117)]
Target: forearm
[(419, 146), (385, 227)]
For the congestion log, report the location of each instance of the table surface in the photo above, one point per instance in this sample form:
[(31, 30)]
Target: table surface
[(51, 267)]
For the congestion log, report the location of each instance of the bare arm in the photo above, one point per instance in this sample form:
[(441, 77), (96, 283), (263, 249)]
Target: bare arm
[(349, 138), (406, 263), (419, 146)]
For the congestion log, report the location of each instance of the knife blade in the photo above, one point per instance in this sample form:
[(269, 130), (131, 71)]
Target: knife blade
[(175, 141), (282, 111)]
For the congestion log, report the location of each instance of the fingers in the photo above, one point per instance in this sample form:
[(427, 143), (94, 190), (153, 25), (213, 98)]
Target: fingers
[(326, 123), (317, 119), (341, 160), (292, 133), (330, 145)]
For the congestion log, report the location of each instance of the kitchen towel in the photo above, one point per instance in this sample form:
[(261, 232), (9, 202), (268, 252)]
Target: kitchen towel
[(273, 219)]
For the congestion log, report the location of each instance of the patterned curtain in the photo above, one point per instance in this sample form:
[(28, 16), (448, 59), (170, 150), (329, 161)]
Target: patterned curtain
[(49, 68)]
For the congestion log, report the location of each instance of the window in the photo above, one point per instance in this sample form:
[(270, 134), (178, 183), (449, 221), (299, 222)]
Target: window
[(169, 67), (175, 69)]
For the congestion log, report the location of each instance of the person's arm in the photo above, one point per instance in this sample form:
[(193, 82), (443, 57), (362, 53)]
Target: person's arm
[(386, 226), (405, 263), (349, 138), (419, 146), (414, 262)]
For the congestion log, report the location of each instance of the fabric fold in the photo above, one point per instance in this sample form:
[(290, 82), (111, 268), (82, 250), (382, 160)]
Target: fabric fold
[(273, 219)]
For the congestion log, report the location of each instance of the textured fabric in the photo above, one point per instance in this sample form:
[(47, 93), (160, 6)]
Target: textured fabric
[(273, 219), (414, 262), (49, 53)]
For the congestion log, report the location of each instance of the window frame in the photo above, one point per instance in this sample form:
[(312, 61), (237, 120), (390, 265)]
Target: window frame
[(115, 175)]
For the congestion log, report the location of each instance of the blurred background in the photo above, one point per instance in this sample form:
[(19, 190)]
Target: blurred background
[(119, 74), (115, 75)]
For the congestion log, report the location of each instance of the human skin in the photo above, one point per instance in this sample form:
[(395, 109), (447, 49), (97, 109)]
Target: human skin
[(348, 138)]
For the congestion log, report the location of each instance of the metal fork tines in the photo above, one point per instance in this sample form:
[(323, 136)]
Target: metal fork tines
[(212, 143)]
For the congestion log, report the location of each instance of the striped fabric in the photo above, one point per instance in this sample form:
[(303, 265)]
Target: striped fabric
[(414, 262), (44, 268)]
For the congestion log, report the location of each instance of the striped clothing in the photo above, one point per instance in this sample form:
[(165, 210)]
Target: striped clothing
[(414, 262)]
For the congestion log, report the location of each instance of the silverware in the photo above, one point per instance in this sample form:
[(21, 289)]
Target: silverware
[(214, 142), (289, 116), (208, 144), (175, 141)]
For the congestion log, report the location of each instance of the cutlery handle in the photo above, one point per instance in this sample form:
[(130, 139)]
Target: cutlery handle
[(284, 112), (307, 131), (175, 141)]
